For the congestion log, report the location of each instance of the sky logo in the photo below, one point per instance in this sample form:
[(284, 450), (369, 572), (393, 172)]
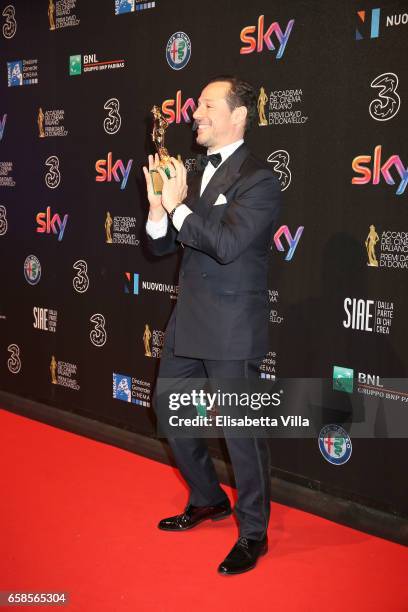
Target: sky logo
[(256, 43), (175, 111), (48, 224), (118, 172), (379, 169), (292, 241)]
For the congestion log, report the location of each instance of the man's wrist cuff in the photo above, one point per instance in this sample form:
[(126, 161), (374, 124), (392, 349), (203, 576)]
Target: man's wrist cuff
[(171, 213), (180, 213)]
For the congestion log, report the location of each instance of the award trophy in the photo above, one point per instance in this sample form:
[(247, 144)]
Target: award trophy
[(160, 126)]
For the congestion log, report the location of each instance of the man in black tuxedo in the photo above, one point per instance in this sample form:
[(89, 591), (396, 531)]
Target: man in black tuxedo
[(224, 220)]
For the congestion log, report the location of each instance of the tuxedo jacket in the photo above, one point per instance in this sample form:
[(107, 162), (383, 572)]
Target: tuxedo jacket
[(222, 311)]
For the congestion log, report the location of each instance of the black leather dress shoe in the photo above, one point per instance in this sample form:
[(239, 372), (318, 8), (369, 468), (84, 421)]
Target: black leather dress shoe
[(193, 515), (243, 556)]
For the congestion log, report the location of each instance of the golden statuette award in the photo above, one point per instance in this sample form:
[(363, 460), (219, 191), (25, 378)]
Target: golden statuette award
[(160, 126)]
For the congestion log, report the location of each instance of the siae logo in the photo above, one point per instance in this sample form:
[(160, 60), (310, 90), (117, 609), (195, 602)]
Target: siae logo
[(358, 165), (40, 318), (360, 314), (368, 315), (256, 42), (54, 224), (292, 241), (45, 319), (106, 171), (181, 111)]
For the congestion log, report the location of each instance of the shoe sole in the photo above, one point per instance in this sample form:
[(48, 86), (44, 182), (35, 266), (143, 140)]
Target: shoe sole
[(248, 569), (220, 517)]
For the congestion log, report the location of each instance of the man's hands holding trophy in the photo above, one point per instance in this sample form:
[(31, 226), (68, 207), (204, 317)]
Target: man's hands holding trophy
[(173, 191), (166, 177)]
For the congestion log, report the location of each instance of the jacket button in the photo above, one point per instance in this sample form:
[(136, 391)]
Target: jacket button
[(182, 273), (204, 274)]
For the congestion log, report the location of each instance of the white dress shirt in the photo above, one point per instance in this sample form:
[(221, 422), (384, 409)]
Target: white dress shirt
[(158, 229)]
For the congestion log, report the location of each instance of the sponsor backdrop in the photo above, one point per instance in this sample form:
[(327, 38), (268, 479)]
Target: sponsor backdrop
[(83, 306)]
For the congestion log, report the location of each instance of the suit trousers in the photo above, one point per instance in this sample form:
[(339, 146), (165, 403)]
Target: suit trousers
[(249, 456)]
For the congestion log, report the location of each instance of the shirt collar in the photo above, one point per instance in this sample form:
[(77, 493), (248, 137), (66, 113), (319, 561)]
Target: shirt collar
[(228, 149)]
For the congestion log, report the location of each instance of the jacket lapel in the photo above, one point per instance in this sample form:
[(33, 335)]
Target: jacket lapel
[(193, 192), (193, 199), (224, 177), (220, 182)]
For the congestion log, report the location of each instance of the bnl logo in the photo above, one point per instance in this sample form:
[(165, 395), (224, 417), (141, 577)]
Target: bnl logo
[(343, 379), (132, 283), (372, 28)]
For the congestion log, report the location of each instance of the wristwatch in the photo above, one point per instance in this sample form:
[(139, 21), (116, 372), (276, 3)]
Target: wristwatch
[(171, 213)]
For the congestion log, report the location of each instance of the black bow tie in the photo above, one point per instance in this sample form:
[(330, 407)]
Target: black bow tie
[(214, 158)]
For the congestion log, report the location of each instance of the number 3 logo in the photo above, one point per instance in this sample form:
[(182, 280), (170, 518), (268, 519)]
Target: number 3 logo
[(14, 361), (53, 176), (80, 282), (280, 162), (113, 121), (98, 335), (386, 106), (3, 220), (10, 27)]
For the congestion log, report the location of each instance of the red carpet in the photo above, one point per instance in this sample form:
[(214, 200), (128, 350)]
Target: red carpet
[(80, 516)]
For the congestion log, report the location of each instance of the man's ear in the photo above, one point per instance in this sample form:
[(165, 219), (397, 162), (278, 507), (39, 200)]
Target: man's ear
[(239, 114)]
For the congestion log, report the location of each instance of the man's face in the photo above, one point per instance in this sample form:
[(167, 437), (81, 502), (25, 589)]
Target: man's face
[(216, 124)]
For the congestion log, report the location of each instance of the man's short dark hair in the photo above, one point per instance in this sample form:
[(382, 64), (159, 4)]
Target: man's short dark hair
[(241, 93)]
